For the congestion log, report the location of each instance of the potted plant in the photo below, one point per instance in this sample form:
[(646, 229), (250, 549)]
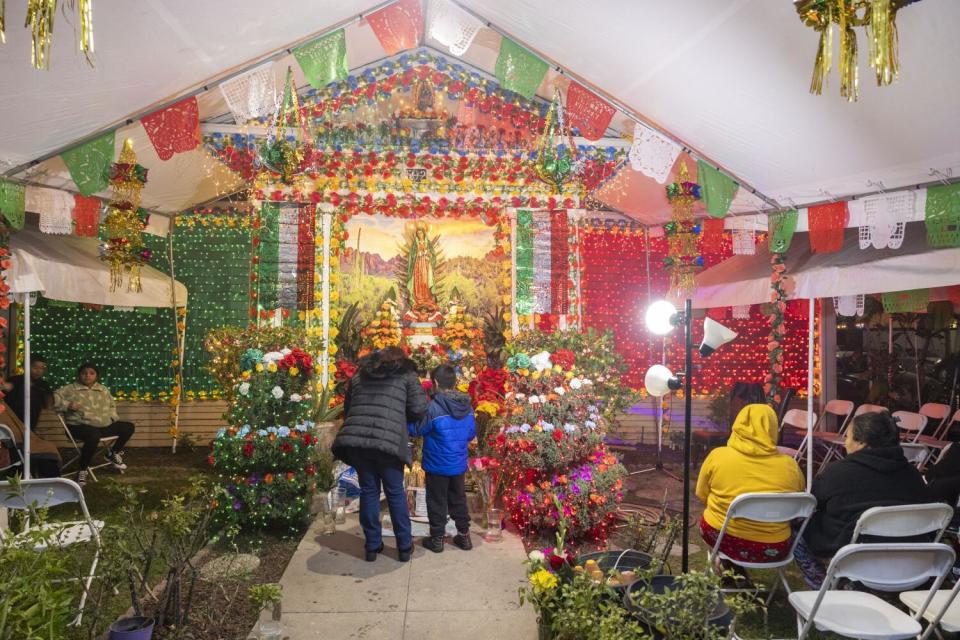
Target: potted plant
[(688, 606)]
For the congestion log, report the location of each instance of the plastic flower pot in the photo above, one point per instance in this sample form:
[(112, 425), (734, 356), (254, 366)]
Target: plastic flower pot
[(135, 628), (721, 617), (621, 560)]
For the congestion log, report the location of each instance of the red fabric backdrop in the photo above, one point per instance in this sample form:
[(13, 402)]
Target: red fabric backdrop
[(614, 288)]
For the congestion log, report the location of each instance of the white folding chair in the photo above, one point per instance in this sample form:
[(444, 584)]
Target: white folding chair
[(915, 453), (942, 611), (857, 614), (9, 442), (102, 447), (835, 441), (911, 424), (796, 420), (903, 521), (50, 492), (771, 508)]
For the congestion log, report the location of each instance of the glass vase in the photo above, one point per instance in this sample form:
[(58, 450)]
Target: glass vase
[(493, 532)]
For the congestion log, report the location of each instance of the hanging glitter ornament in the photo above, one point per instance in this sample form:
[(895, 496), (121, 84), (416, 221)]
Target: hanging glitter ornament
[(879, 17), (283, 154), (557, 159), (681, 238), (123, 226)]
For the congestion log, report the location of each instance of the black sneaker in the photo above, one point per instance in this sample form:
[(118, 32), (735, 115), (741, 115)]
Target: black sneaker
[(434, 543), (82, 477), (370, 556), (115, 458), (463, 541)]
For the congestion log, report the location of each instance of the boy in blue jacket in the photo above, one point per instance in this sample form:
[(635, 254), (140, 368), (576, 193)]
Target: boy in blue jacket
[(447, 430)]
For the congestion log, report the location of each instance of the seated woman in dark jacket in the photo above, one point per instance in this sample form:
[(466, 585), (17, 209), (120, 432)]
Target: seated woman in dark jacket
[(874, 474), (381, 399)]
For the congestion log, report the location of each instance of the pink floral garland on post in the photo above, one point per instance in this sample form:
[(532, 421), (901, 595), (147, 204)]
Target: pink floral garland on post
[(778, 306)]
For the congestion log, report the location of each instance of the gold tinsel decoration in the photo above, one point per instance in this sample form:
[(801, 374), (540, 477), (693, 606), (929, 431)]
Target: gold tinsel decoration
[(124, 250), (879, 17), (39, 20)]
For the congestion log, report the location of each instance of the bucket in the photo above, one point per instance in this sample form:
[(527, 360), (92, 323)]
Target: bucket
[(721, 617), (136, 628)]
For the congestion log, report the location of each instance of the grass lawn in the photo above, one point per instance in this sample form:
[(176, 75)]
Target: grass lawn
[(220, 608)]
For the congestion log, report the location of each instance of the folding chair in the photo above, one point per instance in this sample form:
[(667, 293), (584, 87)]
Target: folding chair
[(937, 441), (50, 492), (903, 521), (915, 453), (767, 507), (857, 614), (942, 611), (103, 447), (9, 442), (911, 424), (835, 441), (936, 412), (796, 421)]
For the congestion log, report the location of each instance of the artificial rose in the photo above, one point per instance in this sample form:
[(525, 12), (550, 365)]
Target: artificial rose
[(277, 392)]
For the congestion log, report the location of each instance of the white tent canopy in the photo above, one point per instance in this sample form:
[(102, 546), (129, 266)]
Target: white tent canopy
[(743, 280), (68, 268), (728, 79)]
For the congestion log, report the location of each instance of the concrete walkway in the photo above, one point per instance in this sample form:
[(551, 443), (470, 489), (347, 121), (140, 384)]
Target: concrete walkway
[(330, 592)]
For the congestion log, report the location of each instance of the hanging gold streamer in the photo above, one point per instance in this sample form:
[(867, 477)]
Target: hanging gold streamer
[(847, 63), (86, 28), (40, 21), (878, 16), (884, 57), (824, 59)]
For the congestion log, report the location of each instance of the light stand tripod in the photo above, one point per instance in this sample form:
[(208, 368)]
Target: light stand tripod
[(658, 463)]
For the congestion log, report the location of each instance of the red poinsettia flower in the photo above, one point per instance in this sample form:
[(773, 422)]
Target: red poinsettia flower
[(564, 358), (248, 449), (286, 447)]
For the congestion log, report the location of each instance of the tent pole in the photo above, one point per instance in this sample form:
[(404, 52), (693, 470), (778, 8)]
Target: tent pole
[(178, 372), (810, 340), (26, 386)]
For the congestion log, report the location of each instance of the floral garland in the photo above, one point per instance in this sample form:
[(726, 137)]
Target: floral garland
[(377, 84), (4, 291), (778, 305)]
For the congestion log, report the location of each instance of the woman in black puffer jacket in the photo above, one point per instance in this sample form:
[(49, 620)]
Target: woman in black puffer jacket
[(381, 399)]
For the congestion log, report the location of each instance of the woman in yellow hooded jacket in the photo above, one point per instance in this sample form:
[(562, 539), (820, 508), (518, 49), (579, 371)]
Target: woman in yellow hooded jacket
[(750, 463)]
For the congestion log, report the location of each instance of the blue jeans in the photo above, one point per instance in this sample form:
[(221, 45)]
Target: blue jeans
[(371, 472)]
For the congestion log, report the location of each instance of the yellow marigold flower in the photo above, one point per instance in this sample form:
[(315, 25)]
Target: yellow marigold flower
[(259, 368), (272, 367), (293, 371), (543, 580), (463, 387), (488, 407)]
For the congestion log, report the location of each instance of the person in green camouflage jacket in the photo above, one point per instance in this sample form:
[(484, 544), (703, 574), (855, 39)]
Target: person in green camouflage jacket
[(90, 413)]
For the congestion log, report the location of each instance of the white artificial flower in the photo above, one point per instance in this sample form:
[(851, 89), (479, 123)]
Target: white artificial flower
[(277, 392), (244, 388), (534, 399), (285, 351), (541, 361), (521, 396), (587, 382), (295, 397), (536, 556), (272, 356), (543, 398), (575, 384), (559, 391)]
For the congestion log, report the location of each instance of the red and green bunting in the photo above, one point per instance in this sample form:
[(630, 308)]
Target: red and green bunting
[(914, 301), (88, 163), (942, 216), (718, 189), (519, 70), (324, 59), (283, 278), (399, 26)]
